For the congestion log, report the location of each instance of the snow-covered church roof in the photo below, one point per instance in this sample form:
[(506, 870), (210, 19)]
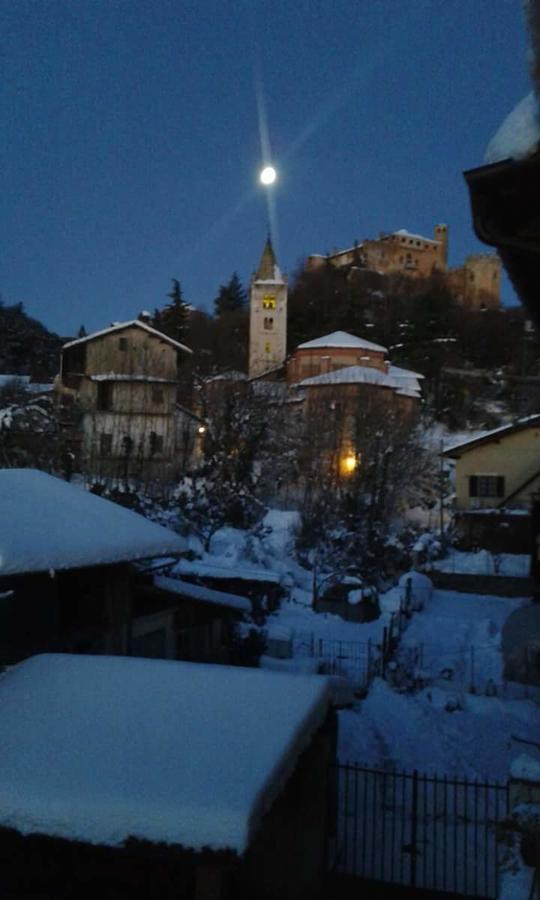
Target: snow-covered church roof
[(402, 381), (46, 523), (104, 748), (341, 339)]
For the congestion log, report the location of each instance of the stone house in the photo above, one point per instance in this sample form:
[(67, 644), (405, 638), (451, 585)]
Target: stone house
[(476, 283), (142, 778), (497, 478), (125, 381)]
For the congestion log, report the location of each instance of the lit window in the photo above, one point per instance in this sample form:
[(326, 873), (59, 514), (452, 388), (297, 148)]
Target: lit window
[(269, 301), (268, 324), (267, 347)]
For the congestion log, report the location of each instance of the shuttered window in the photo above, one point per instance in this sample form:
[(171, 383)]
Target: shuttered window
[(486, 486)]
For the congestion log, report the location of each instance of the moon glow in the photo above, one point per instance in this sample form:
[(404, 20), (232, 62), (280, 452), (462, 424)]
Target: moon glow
[(268, 175)]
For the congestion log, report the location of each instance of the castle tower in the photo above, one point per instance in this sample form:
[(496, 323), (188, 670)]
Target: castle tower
[(267, 315), (441, 235)]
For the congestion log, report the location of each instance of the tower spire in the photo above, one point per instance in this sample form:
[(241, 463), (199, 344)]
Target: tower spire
[(268, 268)]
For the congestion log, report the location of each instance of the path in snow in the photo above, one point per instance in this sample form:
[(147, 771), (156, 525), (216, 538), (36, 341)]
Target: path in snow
[(418, 731)]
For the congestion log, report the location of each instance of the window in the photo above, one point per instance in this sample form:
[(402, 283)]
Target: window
[(157, 395), (105, 444), (122, 344), (104, 395), (268, 323), (486, 485), (267, 347), (269, 301), (156, 443)]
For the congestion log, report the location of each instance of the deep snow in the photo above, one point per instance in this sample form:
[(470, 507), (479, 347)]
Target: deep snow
[(99, 748)]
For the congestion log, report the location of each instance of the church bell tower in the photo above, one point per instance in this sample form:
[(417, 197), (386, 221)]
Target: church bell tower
[(267, 315)]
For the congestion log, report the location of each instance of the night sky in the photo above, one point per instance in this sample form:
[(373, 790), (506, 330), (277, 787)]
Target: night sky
[(131, 139)]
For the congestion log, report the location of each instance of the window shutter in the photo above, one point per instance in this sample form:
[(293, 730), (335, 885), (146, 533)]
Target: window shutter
[(500, 485), (473, 486)]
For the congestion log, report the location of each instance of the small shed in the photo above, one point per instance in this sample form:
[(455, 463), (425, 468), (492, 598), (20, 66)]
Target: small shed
[(65, 575), (175, 619), (137, 777)]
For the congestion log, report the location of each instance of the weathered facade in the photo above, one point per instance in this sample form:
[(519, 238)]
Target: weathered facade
[(476, 283), (125, 380), (268, 315)]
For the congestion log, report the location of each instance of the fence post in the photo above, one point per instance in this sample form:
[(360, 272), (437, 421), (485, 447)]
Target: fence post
[(414, 826), (408, 595)]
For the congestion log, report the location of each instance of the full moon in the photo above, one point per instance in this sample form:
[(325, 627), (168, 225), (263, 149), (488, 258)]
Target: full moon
[(268, 175)]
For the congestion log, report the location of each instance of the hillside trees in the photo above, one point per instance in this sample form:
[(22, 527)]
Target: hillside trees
[(26, 346), (231, 297), (173, 319)]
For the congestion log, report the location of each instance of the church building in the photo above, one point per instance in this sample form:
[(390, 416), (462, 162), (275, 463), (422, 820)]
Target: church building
[(268, 315)]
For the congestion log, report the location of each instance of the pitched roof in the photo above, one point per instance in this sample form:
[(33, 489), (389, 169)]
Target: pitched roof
[(268, 268), (105, 748), (405, 385), (494, 435), (120, 326), (47, 523), (341, 339)]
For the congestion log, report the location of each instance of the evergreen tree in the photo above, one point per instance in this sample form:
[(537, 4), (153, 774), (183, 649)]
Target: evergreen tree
[(231, 296), (173, 320)]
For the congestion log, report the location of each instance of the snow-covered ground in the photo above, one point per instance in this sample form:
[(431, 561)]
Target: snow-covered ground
[(410, 730), (484, 563), (425, 730)]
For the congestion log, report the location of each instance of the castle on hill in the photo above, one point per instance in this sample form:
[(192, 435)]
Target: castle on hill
[(476, 284)]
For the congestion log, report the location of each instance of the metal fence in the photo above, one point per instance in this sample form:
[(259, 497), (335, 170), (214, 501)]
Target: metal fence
[(473, 668), (359, 661), (424, 831)]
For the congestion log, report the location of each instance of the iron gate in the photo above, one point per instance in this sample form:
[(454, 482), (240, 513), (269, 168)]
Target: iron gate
[(424, 831)]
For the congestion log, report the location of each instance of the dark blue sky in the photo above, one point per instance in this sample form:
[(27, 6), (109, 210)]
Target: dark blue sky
[(131, 141)]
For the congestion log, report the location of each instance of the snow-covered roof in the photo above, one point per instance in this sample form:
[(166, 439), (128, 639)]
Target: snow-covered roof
[(19, 379), (398, 372), (120, 326), (103, 748), (111, 376), (341, 339), (405, 384), (47, 523), (402, 232), (206, 569), (348, 375), (519, 134), (496, 433), (202, 593)]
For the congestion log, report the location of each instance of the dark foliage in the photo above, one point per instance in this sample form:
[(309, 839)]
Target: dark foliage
[(231, 297), (26, 346)]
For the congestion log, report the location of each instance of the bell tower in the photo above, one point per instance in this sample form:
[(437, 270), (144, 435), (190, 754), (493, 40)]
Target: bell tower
[(267, 315)]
